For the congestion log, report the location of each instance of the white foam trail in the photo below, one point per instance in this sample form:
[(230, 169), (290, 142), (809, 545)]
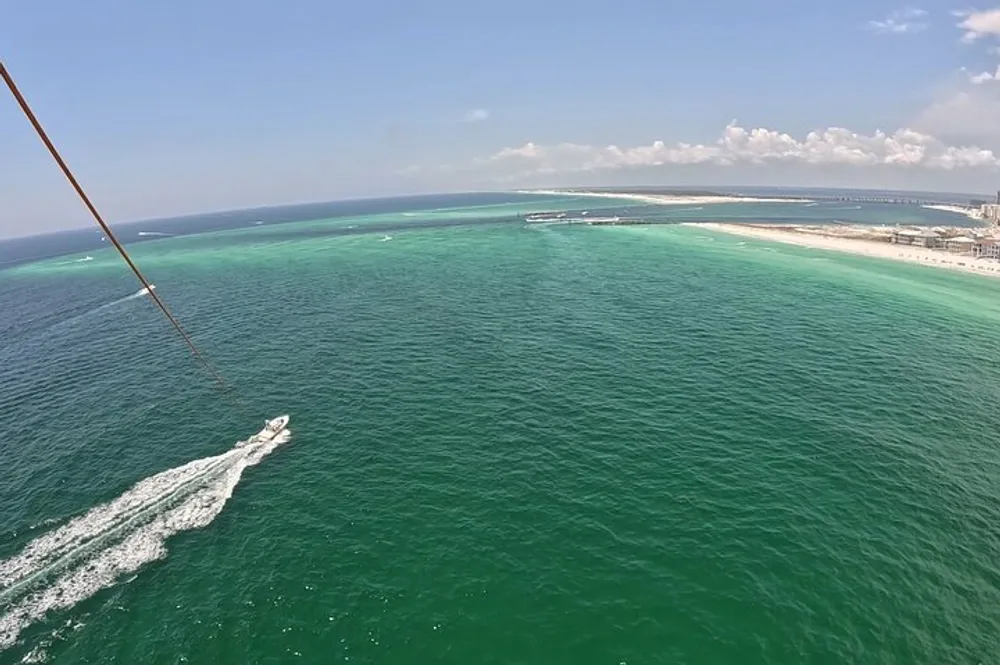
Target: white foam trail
[(100, 308), (70, 564), (69, 263), (138, 294), (155, 233)]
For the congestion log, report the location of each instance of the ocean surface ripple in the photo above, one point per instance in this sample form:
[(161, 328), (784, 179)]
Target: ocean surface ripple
[(512, 445)]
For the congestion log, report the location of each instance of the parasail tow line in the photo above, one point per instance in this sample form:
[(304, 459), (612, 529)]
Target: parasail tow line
[(22, 102)]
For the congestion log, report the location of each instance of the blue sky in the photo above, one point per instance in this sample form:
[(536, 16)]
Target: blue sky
[(180, 107)]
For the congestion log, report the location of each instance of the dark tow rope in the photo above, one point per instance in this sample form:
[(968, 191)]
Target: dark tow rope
[(22, 102)]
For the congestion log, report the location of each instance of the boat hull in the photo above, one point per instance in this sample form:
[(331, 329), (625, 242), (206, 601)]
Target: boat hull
[(272, 428)]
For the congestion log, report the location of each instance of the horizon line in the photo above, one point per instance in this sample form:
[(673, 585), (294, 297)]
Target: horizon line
[(596, 189)]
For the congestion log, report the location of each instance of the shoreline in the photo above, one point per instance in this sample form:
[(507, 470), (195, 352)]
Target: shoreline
[(667, 199), (859, 247), (972, 213)]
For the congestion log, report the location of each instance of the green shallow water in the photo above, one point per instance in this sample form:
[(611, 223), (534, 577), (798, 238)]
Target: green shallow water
[(522, 445)]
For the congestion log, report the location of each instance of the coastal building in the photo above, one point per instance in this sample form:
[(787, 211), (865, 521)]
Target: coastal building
[(904, 236), (986, 248), (959, 245), (928, 238), (991, 212)]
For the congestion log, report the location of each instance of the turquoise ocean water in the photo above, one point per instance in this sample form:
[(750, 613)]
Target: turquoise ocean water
[(510, 444)]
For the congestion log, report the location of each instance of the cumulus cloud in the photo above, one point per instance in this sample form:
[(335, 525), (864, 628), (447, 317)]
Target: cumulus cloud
[(978, 25), (900, 22), (476, 115), (968, 109), (738, 145), (967, 115), (985, 77)]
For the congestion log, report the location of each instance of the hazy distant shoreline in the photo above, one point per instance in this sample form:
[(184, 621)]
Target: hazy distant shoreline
[(668, 199)]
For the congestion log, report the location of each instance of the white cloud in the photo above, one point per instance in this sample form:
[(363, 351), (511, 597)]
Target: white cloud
[(969, 108), (979, 24), (985, 77), (965, 113), (736, 145), (476, 115), (901, 21)]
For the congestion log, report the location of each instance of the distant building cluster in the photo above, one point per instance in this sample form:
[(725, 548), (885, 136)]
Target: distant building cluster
[(976, 244), (991, 211)]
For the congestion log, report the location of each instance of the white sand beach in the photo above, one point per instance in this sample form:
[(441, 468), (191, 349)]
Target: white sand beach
[(665, 199), (974, 213), (872, 248)]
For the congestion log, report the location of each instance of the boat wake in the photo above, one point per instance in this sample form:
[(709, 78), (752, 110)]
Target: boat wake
[(100, 308), (94, 551), (85, 259), (138, 294)]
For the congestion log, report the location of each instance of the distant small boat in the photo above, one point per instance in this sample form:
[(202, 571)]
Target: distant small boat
[(385, 239)]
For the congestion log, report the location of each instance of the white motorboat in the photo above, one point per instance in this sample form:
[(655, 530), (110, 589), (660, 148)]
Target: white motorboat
[(272, 428)]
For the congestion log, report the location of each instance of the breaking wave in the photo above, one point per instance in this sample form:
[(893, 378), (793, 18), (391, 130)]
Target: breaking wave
[(155, 233), (94, 551)]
